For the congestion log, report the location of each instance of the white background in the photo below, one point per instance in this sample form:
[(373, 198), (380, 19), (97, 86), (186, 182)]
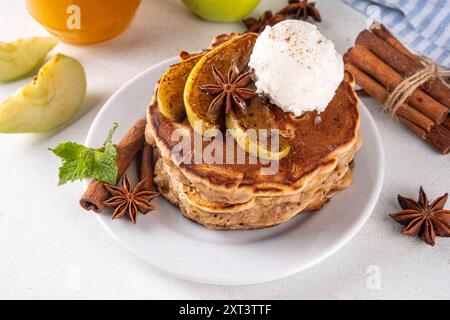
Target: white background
[(50, 248)]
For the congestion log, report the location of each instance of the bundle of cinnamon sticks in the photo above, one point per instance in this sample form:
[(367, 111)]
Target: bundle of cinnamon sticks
[(380, 62)]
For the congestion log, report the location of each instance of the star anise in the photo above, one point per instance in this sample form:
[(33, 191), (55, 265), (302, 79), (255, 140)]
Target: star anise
[(267, 19), (421, 217), (301, 9), (230, 91), (127, 199)]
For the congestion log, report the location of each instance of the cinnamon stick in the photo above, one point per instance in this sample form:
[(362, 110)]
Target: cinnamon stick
[(389, 78), (414, 128), (382, 32), (147, 168), (447, 123), (127, 150), (402, 64), (439, 137), (376, 90)]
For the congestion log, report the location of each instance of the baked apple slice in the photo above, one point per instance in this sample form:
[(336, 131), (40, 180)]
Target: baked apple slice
[(196, 102), (255, 130), (51, 99), (21, 57), (171, 88)]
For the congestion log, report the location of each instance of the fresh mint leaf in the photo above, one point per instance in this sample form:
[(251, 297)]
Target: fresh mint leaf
[(76, 160), (105, 166), (79, 162)]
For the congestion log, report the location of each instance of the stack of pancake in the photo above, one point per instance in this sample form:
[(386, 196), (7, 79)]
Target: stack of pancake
[(240, 196)]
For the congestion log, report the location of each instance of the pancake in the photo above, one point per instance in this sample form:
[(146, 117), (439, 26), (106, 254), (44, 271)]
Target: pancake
[(316, 148), (239, 196), (259, 212)]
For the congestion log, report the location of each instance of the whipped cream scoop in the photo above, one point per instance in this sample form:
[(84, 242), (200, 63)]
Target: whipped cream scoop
[(296, 67)]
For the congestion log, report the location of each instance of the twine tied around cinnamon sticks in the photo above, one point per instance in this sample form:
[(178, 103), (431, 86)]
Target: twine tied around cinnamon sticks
[(402, 92)]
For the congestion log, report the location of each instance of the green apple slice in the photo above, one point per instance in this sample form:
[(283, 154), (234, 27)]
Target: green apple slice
[(21, 57), (51, 99)]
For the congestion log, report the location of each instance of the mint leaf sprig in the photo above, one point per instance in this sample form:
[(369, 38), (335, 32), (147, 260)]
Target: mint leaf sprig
[(79, 162)]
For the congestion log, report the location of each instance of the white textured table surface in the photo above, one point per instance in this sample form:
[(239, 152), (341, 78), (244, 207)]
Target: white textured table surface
[(50, 248)]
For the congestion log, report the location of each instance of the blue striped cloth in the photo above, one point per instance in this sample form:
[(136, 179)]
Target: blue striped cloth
[(423, 25)]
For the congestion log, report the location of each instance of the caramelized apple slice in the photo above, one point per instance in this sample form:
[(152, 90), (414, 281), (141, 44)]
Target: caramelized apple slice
[(171, 88), (254, 131), (52, 98), (20, 57), (196, 102)]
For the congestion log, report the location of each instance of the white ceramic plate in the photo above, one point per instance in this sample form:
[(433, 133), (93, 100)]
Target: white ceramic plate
[(184, 249)]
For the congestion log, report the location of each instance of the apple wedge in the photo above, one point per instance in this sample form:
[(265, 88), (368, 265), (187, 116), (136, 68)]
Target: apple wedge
[(171, 88), (21, 57), (51, 99)]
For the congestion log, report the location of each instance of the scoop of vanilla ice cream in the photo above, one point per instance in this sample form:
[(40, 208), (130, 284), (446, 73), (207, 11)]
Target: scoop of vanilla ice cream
[(296, 67)]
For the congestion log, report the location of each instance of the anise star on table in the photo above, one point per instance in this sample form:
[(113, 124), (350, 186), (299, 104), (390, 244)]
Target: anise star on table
[(129, 200), (301, 9), (267, 19), (421, 217), (230, 91)]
